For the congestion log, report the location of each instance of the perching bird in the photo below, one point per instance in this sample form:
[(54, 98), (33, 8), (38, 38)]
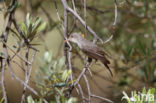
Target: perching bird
[(90, 49)]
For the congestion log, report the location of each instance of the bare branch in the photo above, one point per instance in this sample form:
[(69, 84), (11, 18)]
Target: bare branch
[(104, 99), (58, 15), (15, 53), (85, 16), (115, 12), (5, 36), (88, 87), (96, 37), (28, 74)]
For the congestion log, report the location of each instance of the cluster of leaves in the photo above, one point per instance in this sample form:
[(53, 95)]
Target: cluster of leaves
[(52, 80), (143, 97), (30, 29)]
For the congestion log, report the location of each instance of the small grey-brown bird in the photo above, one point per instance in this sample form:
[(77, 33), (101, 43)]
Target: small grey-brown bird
[(90, 49)]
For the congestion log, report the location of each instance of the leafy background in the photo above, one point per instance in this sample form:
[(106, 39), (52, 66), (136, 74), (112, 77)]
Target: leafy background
[(132, 51)]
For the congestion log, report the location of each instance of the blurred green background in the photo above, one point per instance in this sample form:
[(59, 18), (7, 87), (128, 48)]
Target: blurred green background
[(132, 50)]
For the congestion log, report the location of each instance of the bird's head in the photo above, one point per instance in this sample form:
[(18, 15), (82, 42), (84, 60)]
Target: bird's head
[(75, 38)]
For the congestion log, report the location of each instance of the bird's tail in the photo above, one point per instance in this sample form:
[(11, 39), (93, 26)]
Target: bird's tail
[(106, 62), (109, 69)]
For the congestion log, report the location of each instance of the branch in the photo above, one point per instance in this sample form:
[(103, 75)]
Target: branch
[(5, 35), (15, 53), (22, 82), (104, 99), (88, 87), (96, 37), (28, 73), (22, 35), (67, 53), (115, 12)]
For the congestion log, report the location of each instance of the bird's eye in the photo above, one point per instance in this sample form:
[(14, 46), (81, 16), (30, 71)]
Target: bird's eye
[(71, 36)]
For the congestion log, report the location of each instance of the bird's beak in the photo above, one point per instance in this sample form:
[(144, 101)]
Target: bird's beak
[(66, 40)]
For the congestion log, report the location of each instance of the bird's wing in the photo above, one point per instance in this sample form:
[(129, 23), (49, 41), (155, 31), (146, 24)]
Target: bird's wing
[(95, 52), (98, 54)]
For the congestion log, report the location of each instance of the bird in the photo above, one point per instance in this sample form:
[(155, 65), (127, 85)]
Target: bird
[(90, 49)]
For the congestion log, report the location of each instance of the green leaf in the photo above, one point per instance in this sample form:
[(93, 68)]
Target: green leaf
[(48, 56), (41, 27), (142, 47), (57, 99), (30, 99), (72, 100), (36, 24), (15, 34), (130, 50), (66, 74), (61, 62), (54, 63), (28, 19), (60, 84), (24, 27), (63, 99)]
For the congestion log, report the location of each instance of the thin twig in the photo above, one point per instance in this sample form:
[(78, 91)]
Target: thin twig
[(18, 79), (115, 12), (96, 37), (58, 15), (104, 99), (51, 21), (27, 73), (81, 91), (18, 65), (15, 53), (109, 39), (88, 87), (85, 16), (115, 21), (67, 53), (22, 82), (5, 36)]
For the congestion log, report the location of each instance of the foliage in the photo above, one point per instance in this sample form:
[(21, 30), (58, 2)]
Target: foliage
[(143, 97), (30, 29), (52, 80), (71, 100), (133, 47)]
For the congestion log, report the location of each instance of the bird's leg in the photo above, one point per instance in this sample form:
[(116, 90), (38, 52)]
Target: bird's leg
[(89, 59), (88, 68)]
